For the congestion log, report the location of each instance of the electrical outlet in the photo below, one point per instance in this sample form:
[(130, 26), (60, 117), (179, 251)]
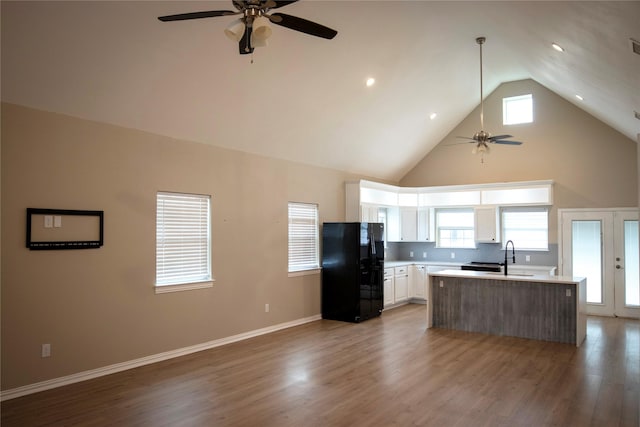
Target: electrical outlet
[(527, 258), (410, 254), (441, 284), (424, 254), (568, 292), (46, 350), (453, 255), (266, 308)]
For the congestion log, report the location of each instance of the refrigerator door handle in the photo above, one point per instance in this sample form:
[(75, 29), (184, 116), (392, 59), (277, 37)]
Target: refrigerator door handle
[(372, 242)]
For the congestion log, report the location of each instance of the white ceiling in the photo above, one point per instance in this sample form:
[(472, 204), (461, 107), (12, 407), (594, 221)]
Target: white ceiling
[(303, 98)]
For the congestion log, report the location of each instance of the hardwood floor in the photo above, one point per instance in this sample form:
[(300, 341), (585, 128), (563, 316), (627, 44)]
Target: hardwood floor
[(388, 371)]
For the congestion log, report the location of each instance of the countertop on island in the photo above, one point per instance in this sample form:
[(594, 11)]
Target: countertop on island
[(510, 277)]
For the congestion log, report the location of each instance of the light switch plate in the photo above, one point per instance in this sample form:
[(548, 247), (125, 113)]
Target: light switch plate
[(48, 221)]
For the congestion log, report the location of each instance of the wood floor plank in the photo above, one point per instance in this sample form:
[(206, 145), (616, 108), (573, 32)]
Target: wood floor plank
[(388, 371)]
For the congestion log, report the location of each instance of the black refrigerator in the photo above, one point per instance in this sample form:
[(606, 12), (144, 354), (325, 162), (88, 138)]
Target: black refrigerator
[(352, 270)]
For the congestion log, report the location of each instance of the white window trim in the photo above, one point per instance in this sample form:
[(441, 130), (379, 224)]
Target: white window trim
[(438, 228), (524, 209), (309, 269), (513, 99), (305, 272), (165, 289), (186, 285)]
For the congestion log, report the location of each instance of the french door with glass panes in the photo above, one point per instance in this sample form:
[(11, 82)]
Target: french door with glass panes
[(602, 245)]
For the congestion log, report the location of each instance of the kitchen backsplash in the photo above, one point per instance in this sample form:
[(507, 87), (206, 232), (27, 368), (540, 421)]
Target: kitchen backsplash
[(487, 252)]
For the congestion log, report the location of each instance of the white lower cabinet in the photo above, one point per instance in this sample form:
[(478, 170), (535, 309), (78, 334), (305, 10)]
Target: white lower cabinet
[(401, 284), (388, 287), (417, 281)]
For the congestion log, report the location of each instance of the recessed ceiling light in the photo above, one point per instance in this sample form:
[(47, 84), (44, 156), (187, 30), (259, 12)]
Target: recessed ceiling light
[(371, 81), (433, 116), (557, 47), (579, 98)]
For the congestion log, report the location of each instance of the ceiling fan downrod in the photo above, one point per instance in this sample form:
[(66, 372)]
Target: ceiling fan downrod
[(480, 41)]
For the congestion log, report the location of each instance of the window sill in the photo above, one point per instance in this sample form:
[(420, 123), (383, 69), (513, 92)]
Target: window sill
[(164, 289), (305, 272)]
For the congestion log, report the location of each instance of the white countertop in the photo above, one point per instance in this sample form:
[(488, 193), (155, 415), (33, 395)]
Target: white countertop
[(390, 264), (455, 265), (511, 277)]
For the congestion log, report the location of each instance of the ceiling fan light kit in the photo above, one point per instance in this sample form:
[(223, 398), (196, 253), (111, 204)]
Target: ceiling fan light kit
[(252, 28), (261, 32), (235, 30), (481, 139)]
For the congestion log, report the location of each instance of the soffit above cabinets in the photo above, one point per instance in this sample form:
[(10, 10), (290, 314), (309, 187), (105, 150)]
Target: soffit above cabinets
[(524, 193)]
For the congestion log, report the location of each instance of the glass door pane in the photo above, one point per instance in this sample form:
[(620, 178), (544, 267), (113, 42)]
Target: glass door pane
[(587, 256), (631, 260)]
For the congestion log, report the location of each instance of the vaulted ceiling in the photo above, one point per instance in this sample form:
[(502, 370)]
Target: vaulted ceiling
[(304, 98)]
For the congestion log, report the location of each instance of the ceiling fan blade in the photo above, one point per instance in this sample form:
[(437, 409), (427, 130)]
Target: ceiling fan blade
[(466, 137), (244, 45), (238, 4), (196, 15), (274, 4), (505, 142), (302, 25), (501, 136)]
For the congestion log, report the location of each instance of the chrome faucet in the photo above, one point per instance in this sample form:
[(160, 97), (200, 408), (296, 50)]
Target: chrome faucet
[(513, 254)]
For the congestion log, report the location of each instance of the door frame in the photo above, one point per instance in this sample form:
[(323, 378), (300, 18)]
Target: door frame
[(609, 307), (620, 280)]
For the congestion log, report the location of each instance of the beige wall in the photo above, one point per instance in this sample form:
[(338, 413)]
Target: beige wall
[(98, 307), (592, 164)]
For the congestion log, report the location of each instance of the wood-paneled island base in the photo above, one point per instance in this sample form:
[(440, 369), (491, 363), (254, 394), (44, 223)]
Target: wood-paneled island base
[(548, 308)]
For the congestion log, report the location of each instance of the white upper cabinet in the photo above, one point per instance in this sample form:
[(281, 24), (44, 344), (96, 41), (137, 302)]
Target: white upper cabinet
[(487, 224), (393, 224), (368, 213), (424, 226), (408, 224)]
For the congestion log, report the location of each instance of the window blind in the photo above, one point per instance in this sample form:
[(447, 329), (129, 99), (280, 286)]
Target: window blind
[(182, 239), (303, 237), (527, 227), (454, 228)]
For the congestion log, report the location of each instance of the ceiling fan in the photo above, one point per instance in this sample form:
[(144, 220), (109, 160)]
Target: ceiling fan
[(251, 29), (482, 138)]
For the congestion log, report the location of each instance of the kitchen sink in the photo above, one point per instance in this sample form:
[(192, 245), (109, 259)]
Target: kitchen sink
[(497, 273)]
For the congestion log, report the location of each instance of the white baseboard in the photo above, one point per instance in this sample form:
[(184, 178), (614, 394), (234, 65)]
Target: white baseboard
[(119, 367)]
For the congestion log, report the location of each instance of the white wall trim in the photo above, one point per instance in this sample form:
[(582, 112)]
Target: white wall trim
[(119, 367)]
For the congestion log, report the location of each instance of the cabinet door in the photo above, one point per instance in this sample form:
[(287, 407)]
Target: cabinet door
[(487, 229), (369, 213), (423, 225), (393, 224), (401, 284), (389, 291), (419, 282), (408, 224)]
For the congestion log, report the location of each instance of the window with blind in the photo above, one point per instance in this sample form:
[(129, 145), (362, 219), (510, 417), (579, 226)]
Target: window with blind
[(528, 227), (454, 228), (303, 237), (183, 243)]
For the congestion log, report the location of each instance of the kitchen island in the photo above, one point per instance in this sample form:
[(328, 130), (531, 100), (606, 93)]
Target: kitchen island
[(549, 308)]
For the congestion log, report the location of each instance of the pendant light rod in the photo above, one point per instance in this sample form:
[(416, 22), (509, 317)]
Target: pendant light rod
[(480, 41)]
